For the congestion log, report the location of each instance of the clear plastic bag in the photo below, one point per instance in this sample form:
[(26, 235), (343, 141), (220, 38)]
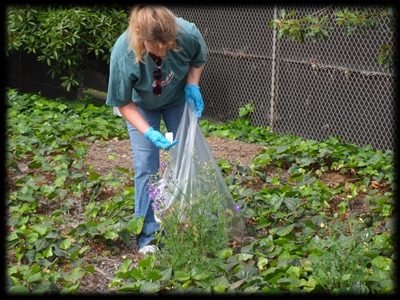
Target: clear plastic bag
[(192, 178)]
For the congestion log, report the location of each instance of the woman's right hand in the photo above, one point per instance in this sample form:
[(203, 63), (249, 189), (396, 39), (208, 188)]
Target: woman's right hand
[(158, 139)]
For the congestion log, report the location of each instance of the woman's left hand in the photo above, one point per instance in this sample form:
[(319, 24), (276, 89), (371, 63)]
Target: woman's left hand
[(193, 96)]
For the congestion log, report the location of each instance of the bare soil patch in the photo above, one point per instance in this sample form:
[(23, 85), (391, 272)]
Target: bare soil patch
[(230, 150)]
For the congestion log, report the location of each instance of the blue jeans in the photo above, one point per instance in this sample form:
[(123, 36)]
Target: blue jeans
[(146, 162)]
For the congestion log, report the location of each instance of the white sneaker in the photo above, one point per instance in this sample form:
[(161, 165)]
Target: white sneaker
[(148, 249)]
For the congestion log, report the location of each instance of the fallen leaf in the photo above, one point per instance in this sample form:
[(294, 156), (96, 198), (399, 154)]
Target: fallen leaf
[(375, 184)]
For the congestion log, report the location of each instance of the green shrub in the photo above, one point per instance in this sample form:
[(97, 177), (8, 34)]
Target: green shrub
[(68, 38)]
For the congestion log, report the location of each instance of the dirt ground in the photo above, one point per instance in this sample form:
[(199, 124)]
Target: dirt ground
[(230, 150)]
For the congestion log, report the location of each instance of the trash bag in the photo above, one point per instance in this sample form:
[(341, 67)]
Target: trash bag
[(193, 179)]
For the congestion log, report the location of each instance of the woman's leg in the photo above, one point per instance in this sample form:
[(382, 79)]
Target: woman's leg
[(146, 160)]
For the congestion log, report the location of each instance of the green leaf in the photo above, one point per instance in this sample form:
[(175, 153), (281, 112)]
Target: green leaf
[(94, 176), (46, 190), (383, 263), (285, 230), (70, 290), (30, 255), (18, 289), (135, 225), (130, 286), (236, 284), (35, 165), (181, 275), (126, 237), (307, 179), (167, 274), (281, 149), (146, 262), (65, 244), (12, 237), (124, 267), (276, 203), (267, 243), (77, 263), (41, 229), (281, 241), (41, 244), (137, 274), (359, 288), (221, 282), (44, 262), (150, 288), (111, 156), (263, 222), (153, 275), (246, 273), (224, 165), (110, 234), (250, 290), (225, 253), (199, 273), (243, 169), (59, 252), (219, 289), (292, 203), (45, 288), (48, 252), (34, 277), (76, 274)]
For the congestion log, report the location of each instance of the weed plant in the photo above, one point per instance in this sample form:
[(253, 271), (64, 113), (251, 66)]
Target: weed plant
[(345, 256), (196, 222)]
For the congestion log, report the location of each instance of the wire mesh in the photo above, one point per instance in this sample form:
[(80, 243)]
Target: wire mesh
[(314, 90)]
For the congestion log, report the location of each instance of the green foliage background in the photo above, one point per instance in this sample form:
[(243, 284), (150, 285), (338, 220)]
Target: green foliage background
[(68, 38)]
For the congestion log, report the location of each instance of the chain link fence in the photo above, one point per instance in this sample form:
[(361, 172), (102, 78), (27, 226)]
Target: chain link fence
[(311, 90)]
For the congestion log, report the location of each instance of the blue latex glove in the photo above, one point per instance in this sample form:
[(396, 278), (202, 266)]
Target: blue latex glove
[(193, 96), (158, 139)]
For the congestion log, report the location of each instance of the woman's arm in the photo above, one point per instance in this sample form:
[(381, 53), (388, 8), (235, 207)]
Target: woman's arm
[(133, 116), (193, 76)]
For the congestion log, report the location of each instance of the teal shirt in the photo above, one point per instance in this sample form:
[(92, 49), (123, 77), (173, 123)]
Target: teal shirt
[(129, 81)]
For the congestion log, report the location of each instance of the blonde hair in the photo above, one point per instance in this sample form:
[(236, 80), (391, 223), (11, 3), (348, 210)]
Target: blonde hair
[(154, 24)]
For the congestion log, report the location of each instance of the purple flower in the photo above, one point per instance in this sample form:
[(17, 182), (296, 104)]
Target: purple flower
[(157, 201), (237, 207), (164, 164)]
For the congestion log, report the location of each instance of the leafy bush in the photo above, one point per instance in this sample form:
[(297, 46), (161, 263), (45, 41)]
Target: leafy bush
[(68, 38)]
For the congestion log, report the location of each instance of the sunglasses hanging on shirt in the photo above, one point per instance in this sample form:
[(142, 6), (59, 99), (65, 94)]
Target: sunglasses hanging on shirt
[(157, 81), (157, 72)]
